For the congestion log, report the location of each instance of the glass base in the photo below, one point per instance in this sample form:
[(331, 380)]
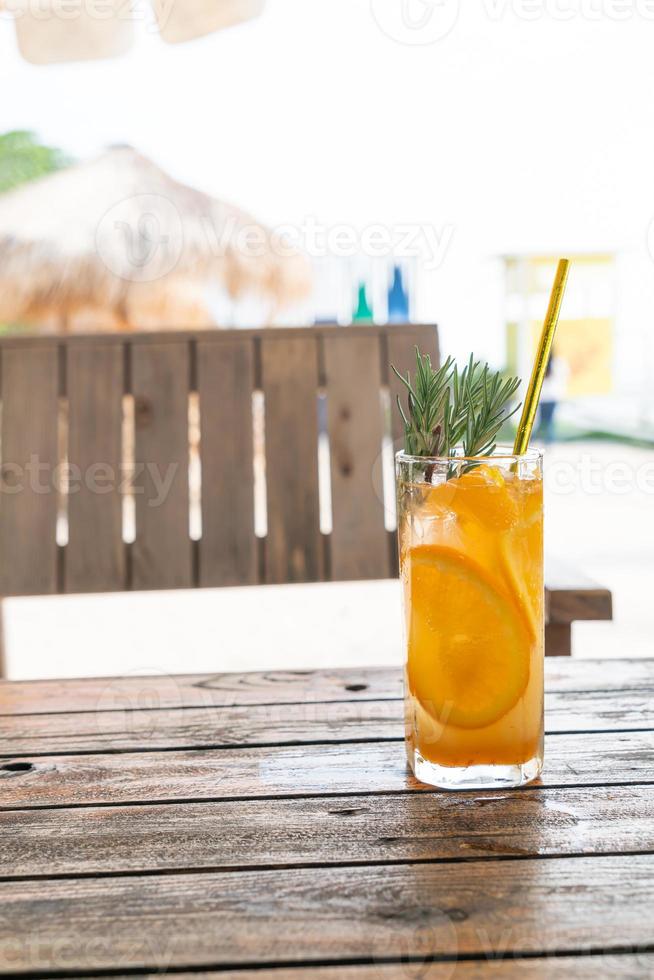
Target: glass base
[(475, 777)]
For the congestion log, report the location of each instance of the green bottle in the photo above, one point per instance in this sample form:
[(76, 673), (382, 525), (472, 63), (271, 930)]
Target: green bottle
[(363, 312)]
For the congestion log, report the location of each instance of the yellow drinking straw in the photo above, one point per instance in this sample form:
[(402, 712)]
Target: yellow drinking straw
[(530, 405)]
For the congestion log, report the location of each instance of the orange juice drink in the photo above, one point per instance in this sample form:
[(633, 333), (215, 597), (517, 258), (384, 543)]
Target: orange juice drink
[(471, 564)]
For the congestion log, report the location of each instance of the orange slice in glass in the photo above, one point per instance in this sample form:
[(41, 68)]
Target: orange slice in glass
[(521, 567), (485, 494), (469, 644), (521, 561)]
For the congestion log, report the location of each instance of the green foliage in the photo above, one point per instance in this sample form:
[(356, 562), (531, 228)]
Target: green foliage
[(23, 159), (450, 409)]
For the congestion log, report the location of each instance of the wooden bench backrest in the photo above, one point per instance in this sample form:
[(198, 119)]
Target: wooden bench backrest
[(87, 382)]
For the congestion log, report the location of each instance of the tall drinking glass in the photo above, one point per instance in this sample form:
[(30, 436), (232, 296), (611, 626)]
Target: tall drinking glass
[(471, 564)]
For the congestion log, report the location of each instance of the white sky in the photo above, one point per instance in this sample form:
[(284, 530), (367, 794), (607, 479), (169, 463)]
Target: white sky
[(520, 134)]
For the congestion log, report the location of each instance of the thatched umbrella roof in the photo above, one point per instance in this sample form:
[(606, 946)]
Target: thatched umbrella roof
[(118, 234)]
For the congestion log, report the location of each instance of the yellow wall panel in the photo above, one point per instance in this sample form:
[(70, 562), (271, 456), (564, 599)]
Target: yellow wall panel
[(587, 347)]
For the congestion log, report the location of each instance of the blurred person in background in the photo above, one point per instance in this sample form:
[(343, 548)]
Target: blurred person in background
[(554, 388)]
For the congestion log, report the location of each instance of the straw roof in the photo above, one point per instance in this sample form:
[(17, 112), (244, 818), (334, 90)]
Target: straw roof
[(119, 235)]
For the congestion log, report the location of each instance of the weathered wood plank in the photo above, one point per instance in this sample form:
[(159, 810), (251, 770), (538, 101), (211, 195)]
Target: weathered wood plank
[(334, 830), (132, 730), (228, 547), (374, 767), (293, 547), (161, 554), (475, 908), (30, 454), (358, 544), (571, 595), (402, 341), (620, 674), (558, 639), (285, 724), (23, 339), (282, 687), (95, 554), (635, 966), (189, 690)]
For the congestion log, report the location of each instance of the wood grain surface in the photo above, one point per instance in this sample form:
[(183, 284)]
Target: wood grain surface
[(30, 456), (636, 966), (161, 554), (477, 908), (228, 547), (358, 543), (329, 721), (293, 547), (276, 771), (95, 556), (334, 830), (283, 687), (288, 841)]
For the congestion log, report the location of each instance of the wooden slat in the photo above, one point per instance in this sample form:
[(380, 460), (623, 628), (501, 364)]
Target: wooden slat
[(402, 341), (28, 515), (189, 690), (571, 595), (558, 639), (228, 549), (363, 767), (634, 966), (358, 544), (293, 546), (161, 554), (618, 674), (334, 830), (98, 694), (475, 908), (95, 555), (24, 339), (285, 724)]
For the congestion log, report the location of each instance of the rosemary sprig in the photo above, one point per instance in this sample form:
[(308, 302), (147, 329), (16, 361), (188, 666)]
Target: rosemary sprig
[(450, 409)]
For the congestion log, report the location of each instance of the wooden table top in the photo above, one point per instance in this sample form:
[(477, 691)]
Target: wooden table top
[(264, 826)]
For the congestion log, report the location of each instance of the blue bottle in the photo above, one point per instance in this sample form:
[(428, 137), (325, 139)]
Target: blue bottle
[(398, 299)]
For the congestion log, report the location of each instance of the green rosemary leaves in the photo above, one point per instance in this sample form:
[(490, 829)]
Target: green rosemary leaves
[(450, 409)]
